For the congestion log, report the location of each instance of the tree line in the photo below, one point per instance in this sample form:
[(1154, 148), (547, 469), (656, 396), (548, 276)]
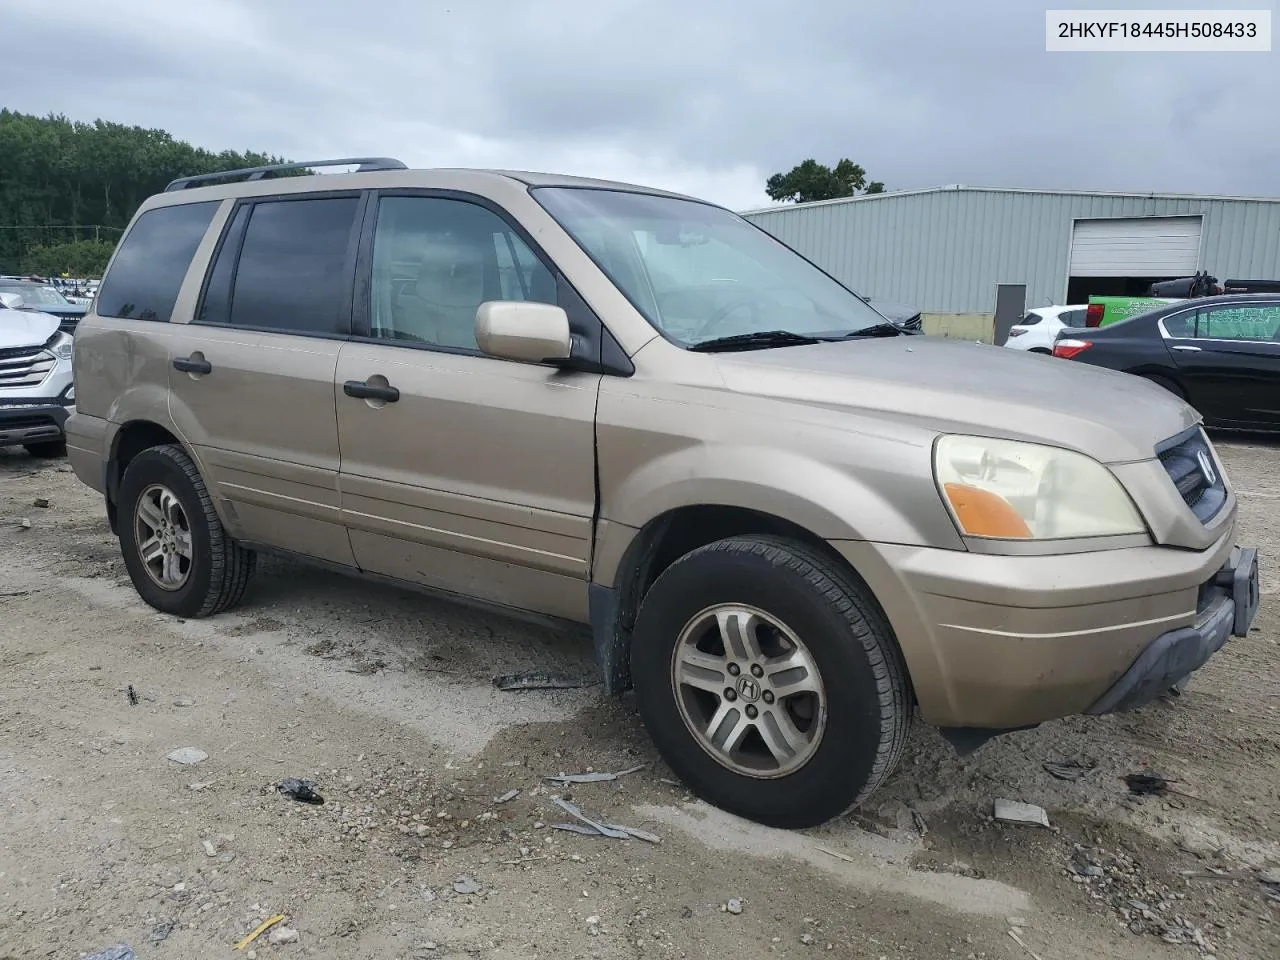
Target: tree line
[(68, 188)]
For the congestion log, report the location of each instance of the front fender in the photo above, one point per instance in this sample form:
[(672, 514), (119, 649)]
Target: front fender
[(829, 501)]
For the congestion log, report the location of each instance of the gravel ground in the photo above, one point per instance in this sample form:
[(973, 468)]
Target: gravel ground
[(384, 699)]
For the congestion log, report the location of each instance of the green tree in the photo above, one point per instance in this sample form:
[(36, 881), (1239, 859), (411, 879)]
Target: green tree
[(63, 181), (811, 180), (77, 258)]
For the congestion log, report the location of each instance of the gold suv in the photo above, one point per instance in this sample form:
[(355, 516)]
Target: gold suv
[(787, 521)]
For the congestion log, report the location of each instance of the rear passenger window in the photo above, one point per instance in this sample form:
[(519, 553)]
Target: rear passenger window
[(152, 262), (291, 271)]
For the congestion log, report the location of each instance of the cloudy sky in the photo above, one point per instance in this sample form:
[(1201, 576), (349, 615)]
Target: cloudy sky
[(704, 96)]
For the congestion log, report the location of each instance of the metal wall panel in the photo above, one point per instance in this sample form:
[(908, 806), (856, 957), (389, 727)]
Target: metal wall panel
[(945, 250)]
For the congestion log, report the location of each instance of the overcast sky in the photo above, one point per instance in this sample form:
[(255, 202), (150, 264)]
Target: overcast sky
[(703, 96)]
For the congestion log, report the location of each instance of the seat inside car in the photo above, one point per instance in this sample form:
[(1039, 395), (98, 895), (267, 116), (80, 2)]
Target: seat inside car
[(441, 307)]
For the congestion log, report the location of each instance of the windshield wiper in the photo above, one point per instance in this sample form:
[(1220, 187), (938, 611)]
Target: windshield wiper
[(885, 329), (759, 340)]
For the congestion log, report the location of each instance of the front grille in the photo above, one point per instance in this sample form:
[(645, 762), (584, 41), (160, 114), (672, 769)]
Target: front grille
[(1195, 473), (25, 366)]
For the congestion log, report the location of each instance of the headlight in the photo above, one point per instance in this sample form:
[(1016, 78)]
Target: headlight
[(1009, 490), (62, 345)]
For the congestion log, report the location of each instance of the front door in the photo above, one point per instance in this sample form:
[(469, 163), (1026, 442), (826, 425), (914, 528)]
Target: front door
[(462, 472), (251, 387), (1232, 365)]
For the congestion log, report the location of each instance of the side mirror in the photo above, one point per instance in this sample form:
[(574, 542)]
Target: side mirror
[(521, 331), (13, 301)]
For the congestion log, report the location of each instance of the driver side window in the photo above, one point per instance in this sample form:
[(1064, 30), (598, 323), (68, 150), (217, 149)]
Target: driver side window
[(436, 260)]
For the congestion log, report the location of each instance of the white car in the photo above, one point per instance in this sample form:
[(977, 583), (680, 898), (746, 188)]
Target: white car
[(37, 391), (1038, 328)]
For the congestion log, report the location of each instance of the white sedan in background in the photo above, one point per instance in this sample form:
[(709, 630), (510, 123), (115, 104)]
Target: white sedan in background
[(1038, 328)]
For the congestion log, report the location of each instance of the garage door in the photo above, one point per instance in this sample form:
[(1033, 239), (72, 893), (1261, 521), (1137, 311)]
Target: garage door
[(1141, 247)]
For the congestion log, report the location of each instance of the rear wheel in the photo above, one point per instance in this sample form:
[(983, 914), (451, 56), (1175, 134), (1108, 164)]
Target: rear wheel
[(770, 680), (178, 555), (47, 449)]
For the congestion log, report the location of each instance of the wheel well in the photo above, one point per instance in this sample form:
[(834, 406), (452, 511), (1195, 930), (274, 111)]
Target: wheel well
[(659, 544), (131, 440)]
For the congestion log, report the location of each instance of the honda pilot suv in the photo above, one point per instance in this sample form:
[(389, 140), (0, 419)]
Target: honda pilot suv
[(787, 523)]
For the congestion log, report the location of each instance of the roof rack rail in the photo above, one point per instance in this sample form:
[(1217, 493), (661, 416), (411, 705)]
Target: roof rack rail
[(364, 165)]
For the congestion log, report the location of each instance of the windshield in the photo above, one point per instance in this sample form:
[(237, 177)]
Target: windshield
[(699, 273), (35, 296)]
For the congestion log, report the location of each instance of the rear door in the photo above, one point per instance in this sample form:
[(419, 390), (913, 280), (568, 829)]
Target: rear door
[(252, 381), (1232, 365)]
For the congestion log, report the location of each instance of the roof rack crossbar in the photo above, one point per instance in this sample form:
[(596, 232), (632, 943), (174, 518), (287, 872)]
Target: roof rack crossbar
[(362, 164)]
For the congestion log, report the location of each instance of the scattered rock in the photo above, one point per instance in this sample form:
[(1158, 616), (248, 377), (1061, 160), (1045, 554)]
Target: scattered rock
[(1017, 921), (188, 756), (509, 795), (209, 849), (281, 935), (41, 502), (1012, 811), (1271, 876), (807, 939), (182, 702), (160, 932), (197, 786), (593, 926), (734, 906), (24, 523), (119, 951), (465, 886)]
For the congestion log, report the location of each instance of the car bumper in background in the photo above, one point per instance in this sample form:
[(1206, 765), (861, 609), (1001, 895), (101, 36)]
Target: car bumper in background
[(31, 421), (1000, 642)]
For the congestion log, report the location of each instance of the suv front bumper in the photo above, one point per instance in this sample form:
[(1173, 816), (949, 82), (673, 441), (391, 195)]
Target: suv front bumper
[(1228, 604), (1000, 642), (35, 420)]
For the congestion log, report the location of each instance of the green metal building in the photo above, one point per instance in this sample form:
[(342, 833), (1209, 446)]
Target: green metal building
[(951, 251)]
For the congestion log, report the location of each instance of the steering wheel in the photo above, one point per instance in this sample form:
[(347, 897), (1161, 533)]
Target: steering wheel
[(721, 313)]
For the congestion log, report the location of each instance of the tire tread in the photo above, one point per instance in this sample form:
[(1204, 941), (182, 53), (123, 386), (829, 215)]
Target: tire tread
[(231, 565)]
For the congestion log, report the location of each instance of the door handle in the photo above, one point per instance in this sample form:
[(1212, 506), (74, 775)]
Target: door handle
[(1187, 349), (370, 391), (187, 365)]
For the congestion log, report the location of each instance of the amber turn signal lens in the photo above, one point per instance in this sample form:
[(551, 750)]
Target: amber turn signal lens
[(983, 514)]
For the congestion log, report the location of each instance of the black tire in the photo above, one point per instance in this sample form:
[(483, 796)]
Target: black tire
[(47, 449), (1042, 350), (849, 640), (219, 569), (1166, 383)]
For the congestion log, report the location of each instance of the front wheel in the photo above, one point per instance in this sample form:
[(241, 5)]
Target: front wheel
[(178, 555), (770, 680)]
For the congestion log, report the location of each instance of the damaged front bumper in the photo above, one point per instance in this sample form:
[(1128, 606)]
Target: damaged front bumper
[(1227, 606)]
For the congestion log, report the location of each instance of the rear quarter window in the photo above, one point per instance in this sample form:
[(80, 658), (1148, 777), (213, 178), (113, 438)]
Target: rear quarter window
[(148, 270), (1030, 320)]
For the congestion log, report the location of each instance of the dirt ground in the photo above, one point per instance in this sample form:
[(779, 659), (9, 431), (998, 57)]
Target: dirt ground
[(385, 699)]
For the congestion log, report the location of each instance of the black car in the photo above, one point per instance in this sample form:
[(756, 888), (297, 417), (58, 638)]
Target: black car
[(1220, 354)]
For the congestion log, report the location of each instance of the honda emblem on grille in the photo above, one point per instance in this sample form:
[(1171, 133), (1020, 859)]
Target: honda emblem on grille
[(1206, 467)]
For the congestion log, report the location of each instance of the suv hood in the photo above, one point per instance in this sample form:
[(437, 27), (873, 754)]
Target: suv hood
[(26, 328), (955, 386)]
